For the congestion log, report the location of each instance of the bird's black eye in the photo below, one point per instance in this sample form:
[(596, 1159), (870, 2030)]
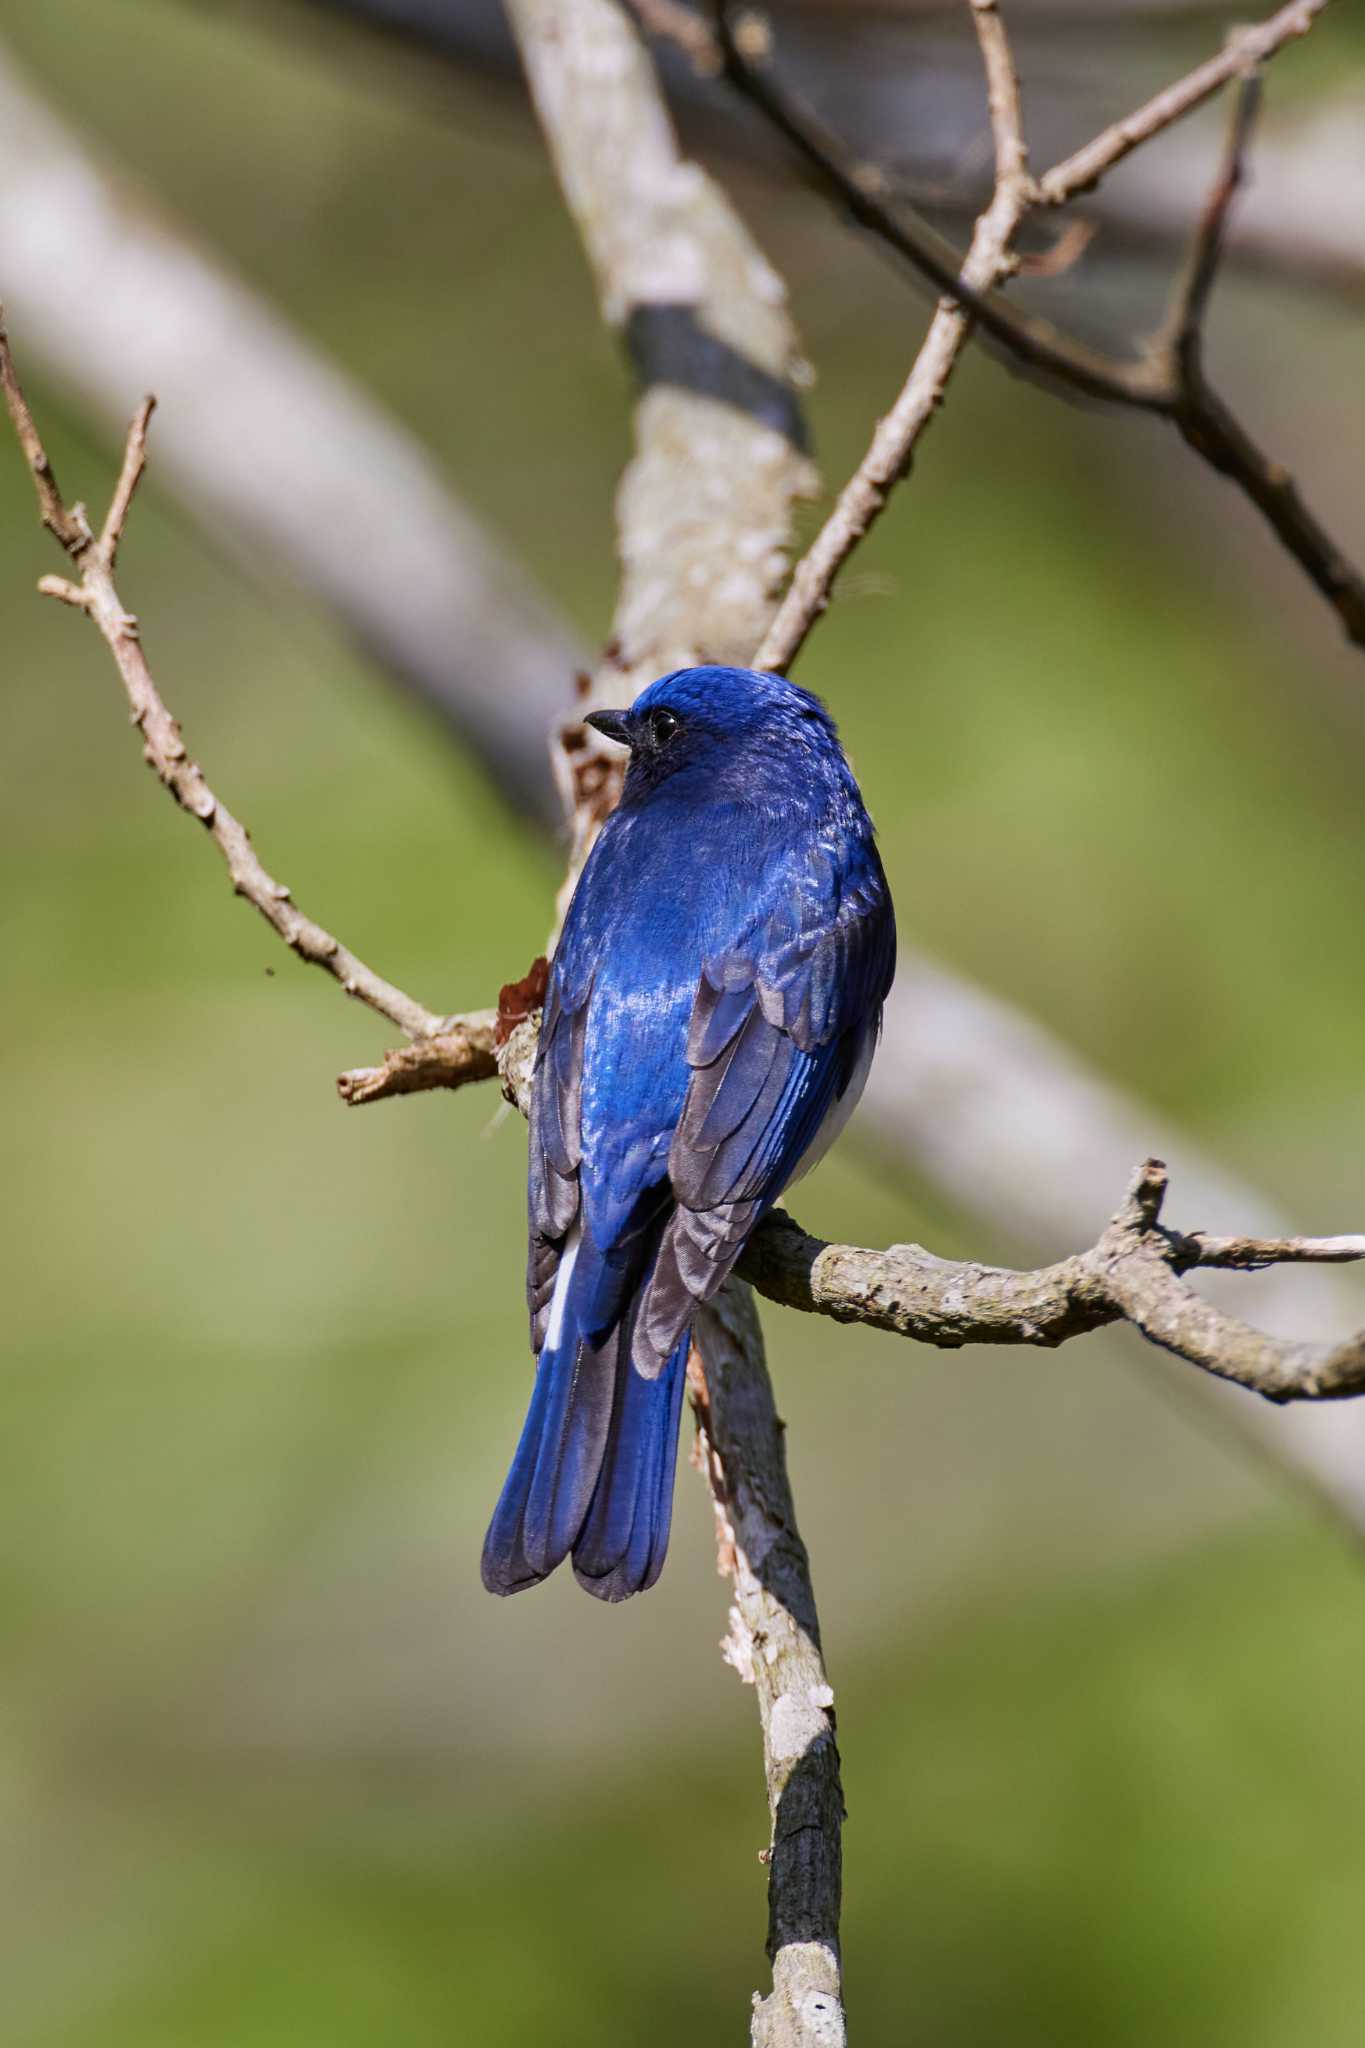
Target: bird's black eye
[(662, 726)]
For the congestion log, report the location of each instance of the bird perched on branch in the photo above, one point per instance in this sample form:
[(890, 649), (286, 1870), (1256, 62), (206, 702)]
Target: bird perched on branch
[(710, 1019)]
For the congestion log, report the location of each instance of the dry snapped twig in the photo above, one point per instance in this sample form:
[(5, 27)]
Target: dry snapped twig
[(1025, 1142), (1165, 378), (462, 1050)]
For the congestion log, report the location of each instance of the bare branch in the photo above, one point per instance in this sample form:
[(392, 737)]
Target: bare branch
[(70, 529), (1131, 1274), (462, 1051), (773, 1642), (1254, 1254), (1163, 379), (294, 466), (706, 505), (162, 745), (1244, 49), (866, 193), (705, 517), (1185, 322), (1002, 94), (1025, 1142), (130, 476), (1208, 424), (989, 260)]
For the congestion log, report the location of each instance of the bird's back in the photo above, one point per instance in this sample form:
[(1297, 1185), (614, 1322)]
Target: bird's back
[(712, 1004)]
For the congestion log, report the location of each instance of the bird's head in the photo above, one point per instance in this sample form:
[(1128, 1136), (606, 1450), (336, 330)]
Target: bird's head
[(730, 728)]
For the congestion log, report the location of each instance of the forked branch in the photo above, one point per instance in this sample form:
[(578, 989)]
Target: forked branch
[(1165, 377), (1134, 1273)]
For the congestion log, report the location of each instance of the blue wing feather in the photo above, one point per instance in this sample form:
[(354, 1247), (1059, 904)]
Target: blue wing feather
[(704, 1022)]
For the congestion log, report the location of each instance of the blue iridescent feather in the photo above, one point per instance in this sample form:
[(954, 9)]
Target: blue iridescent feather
[(711, 1014)]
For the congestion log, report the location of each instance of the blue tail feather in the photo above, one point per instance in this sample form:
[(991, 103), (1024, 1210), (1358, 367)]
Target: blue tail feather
[(593, 1470), (624, 1539)]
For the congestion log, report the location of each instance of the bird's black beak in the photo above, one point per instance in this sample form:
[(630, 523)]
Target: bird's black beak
[(611, 724)]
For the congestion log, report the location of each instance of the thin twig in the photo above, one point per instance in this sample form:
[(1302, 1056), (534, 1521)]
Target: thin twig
[(989, 260), (130, 476), (162, 745), (1185, 322), (861, 190), (1166, 382), (1002, 94), (1244, 49), (463, 1051), (1208, 424), (1254, 1254), (72, 531)]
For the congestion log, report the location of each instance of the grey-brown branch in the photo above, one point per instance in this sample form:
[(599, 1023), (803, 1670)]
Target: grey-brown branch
[(1166, 376), (1133, 1273)]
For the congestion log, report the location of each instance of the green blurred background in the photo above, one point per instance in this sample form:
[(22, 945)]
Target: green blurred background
[(272, 1767)]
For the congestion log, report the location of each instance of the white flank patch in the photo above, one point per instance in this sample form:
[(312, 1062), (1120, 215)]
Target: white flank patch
[(562, 1279), (840, 1113)]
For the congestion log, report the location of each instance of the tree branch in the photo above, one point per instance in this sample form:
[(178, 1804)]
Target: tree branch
[(989, 259), (293, 466), (1243, 51), (1308, 229), (705, 523), (773, 1642), (1166, 378), (705, 507), (462, 1050), (1184, 332), (163, 747), (1133, 1273)]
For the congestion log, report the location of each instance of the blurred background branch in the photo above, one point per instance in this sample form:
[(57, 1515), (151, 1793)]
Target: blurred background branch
[(704, 523), (1166, 375), (899, 77), (266, 443)]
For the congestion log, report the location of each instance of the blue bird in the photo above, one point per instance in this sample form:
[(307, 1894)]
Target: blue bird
[(710, 1019)]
